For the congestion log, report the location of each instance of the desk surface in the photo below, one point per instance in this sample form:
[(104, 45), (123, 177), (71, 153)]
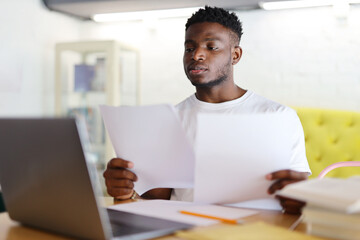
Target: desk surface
[(11, 230)]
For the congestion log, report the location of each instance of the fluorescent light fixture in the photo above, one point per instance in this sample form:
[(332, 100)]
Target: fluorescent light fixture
[(294, 4), (141, 15), (300, 4)]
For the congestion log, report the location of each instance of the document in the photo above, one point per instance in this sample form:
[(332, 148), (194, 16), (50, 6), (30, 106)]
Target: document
[(235, 152), (263, 203), (170, 210), (152, 137), (230, 159), (221, 213)]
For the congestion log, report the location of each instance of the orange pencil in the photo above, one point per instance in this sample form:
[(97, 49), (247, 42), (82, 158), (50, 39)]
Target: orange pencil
[(224, 220)]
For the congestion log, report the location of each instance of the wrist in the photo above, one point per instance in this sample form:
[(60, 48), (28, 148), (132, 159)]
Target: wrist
[(134, 196), (122, 199)]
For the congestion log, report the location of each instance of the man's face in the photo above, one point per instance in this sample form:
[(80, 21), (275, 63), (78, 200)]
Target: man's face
[(208, 54)]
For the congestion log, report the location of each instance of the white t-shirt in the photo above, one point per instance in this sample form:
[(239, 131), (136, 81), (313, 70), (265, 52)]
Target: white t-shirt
[(246, 104)]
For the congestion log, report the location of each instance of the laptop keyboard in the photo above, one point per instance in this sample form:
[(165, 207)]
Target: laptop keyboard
[(124, 223), (123, 229)]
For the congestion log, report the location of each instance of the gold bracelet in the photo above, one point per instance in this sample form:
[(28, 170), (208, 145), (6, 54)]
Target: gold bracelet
[(133, 196)]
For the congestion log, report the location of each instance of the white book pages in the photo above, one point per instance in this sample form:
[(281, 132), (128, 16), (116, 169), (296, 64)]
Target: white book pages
[(330, 193), (331, 218), (332, 232)]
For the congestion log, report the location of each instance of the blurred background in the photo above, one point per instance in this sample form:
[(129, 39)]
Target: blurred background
[(60, 58)]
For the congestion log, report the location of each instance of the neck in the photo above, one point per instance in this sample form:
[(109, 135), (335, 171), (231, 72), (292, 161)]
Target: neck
[(219, 94)]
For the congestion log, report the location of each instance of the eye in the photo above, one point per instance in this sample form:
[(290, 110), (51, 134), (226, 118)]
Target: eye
[(213, 48), (189, 49)]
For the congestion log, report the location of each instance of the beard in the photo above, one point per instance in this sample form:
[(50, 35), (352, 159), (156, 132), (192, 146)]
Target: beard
[(222, 76), (211, 83)]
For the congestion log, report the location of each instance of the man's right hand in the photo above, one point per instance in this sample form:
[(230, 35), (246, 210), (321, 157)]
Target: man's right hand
[(119, 179)]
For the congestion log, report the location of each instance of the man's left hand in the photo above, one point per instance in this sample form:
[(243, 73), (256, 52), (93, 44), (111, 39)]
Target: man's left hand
[(283, 178)]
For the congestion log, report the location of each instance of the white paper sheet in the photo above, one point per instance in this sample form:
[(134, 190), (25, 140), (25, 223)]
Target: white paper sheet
[(171, 210), (219, 211), (235, 152), (152, 137), (264, 204)]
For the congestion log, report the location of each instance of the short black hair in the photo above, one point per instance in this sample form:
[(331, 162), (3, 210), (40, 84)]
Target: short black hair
[(217, 15)]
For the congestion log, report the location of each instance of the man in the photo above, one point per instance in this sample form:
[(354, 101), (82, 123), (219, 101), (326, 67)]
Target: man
[(211, 51)]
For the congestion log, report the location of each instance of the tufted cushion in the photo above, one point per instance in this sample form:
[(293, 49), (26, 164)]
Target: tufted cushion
[(331, 136)]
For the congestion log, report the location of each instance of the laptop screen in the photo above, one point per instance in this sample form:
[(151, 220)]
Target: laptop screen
[(48, 184), (45, 178)]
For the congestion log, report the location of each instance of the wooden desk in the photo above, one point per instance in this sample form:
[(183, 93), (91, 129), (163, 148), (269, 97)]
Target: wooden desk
[(11, 230)]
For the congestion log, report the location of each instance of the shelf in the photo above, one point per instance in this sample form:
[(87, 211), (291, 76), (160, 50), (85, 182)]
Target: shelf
[(84, 99), (92, 73)]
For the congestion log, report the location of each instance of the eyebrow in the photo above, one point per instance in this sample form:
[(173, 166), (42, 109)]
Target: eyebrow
[(206, 40), (212, 39)]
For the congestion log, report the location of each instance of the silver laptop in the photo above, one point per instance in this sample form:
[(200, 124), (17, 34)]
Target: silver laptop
[(47, 184)]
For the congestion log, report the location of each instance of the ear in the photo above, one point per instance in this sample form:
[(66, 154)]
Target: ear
[(236, 55)]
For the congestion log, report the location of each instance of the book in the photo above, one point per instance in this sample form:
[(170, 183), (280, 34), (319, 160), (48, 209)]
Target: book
[(330, 193), (84, 75), (332, 232), (331, 218)]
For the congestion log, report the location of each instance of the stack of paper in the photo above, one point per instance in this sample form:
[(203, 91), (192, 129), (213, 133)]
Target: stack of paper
[(171, 210), (333, 206), (327, 223)]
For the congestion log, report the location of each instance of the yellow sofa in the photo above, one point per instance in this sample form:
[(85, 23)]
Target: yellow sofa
[(331, 136)]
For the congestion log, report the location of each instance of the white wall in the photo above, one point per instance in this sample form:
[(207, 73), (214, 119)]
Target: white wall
[(302, 57), (28, 33), (160, 44)]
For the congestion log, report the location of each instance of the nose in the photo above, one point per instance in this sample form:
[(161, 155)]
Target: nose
[(199, 54)]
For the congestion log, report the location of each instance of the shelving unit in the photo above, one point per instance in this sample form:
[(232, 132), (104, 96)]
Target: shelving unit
[(89, 74)]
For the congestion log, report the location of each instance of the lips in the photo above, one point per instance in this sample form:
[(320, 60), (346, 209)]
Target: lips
[(197, 69)]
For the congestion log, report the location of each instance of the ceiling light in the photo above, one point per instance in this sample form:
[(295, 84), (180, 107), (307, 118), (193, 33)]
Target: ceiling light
[(302, 4), (295, 4), (141, 15)]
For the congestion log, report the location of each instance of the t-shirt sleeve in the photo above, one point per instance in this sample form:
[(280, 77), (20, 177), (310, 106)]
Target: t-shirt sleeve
[(298, 160)]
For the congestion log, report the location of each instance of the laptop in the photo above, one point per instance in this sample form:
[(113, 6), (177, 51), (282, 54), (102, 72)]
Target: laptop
[(48, 184)]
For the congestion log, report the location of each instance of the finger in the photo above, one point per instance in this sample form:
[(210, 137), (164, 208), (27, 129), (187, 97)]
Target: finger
[(290, 202), (120, 163), (120, 193), (123, 183), (119, 174), (293, 211), (279, 184), (288, 174), (291, 206)]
